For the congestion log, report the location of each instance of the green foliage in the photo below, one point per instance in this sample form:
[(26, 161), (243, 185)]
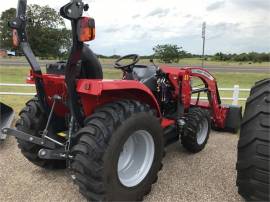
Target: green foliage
[(107, 57), (46, 31), (243, 57), (169, 53), (5, 32)]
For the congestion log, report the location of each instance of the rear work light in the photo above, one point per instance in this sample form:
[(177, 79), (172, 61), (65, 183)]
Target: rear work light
[(86, 29)]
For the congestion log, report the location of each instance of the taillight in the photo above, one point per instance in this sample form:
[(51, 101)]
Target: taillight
[(86, 29), (15, 38)]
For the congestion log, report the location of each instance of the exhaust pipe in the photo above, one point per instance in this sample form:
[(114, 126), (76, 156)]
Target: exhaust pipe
[(6, 117)]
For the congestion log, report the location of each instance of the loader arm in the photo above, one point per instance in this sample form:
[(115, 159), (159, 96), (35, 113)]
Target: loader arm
[(223, 116), (219, 113)]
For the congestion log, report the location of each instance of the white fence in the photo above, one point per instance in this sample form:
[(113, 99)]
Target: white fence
[(235, 92)]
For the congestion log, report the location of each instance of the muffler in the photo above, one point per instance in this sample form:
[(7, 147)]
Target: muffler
[(6, 117)]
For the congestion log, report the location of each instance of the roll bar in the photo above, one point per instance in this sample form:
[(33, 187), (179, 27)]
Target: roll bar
[(19, 24), (72, 11), (19, 32)]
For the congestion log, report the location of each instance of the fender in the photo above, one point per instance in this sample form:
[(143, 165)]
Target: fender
[(95, 93)]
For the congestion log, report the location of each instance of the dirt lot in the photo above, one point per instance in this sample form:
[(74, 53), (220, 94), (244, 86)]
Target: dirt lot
[(206, 176)]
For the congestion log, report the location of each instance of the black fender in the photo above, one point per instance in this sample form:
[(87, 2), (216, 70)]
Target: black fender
[(90, 67)]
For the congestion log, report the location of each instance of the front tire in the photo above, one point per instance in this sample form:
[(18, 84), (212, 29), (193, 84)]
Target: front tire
[(118, 153), (197, 129)]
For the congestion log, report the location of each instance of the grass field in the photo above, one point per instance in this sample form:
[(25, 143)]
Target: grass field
[(18, 75), (182, 62), (198, 61)]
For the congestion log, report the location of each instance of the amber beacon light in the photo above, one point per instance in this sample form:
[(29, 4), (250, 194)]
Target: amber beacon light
[(15, 38), (86, 29)]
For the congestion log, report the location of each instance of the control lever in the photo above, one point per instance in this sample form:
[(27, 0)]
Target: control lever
[(152, 61)]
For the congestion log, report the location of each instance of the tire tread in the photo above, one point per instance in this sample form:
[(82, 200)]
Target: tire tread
[(32, 120), (189, 138), (253, 160), (105, 120)]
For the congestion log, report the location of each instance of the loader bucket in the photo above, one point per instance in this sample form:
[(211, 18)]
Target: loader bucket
[(6, 117)]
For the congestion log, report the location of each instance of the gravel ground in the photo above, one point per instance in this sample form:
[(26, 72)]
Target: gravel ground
[(206, 176)]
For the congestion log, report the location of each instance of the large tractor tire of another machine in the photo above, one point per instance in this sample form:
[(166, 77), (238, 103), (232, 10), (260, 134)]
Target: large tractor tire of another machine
[(197, 129), (253, 159), (32, 121), (118, 154)]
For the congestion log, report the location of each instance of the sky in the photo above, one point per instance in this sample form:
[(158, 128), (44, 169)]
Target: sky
[(136, 26)]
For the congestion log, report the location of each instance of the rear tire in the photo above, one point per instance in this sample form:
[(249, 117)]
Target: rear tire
[(32, 121), (100, 168), (253, 159), (197, 129)]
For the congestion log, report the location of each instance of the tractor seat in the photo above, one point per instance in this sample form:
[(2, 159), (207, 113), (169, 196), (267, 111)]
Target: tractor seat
[(146, 75)]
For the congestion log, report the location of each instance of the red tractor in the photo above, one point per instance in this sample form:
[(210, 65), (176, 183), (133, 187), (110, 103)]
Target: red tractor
[(112, 133)]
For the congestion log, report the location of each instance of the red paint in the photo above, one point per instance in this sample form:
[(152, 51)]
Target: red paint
[(105, 91), (167, 122), (219, 112), (30, 79), (95, 93)]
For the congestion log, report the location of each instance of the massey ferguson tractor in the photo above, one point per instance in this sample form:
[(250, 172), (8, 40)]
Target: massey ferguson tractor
[(112, 133)]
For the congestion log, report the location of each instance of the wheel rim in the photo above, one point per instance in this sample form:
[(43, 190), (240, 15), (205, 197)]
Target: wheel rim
[(202, 132), (136, 158)]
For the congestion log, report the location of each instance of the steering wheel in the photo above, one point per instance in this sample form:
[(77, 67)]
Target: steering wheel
[(127, 67)]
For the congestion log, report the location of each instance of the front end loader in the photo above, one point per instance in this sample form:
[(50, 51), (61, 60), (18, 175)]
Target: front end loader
[(112, 133), (6, 118)]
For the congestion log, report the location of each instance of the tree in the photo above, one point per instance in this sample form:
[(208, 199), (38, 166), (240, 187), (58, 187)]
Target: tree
[(5, 32), (47, 33), (46, 30), (243, 57), (169, 53)]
